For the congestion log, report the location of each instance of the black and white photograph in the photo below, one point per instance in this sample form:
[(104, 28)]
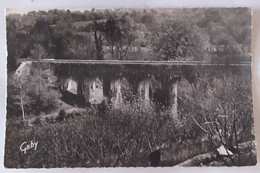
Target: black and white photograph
[(129, 87)]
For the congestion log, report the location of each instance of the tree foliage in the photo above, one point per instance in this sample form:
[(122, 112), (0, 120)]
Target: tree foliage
[(34, 88), (170, 34), (223, 111), (177, 40)]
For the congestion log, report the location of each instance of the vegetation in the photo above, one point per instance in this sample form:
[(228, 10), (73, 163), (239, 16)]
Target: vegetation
[(212, 112), (214, 104), (148, 34), (33, 92)]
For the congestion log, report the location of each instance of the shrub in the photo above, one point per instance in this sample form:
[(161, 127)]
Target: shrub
[(117, 137)]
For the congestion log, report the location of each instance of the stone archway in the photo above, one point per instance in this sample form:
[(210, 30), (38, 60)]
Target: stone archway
[(119, 88), (93, 90), (146, 87), (71, 86), (173, 97)]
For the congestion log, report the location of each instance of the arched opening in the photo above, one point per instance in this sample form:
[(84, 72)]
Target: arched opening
[(93, 90), (69, 91), (146, 88), (119, 90)]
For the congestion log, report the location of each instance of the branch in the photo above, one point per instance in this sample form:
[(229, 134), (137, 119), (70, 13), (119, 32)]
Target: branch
[(149, 144), (199, 125)]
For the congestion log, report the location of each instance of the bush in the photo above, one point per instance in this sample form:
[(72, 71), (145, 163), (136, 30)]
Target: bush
[(108, 136), (32, 93), (111, 137)]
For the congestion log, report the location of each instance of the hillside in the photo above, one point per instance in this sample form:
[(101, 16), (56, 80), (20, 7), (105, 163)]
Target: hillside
[(217, 35)]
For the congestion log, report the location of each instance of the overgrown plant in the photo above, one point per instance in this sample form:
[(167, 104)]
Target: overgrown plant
[(227, 113), (34, 90)]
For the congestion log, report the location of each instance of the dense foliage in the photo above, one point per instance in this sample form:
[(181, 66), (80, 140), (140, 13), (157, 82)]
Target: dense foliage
[(214, 104), (213, 111), (219, 35), (33, 92)]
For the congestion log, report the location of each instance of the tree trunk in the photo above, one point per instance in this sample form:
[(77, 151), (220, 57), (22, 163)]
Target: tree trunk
[(22, 108), (112, 47), (235, 131)]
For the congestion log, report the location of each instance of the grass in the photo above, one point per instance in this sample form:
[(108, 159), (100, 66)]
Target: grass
[(96, 139), (104, 136)]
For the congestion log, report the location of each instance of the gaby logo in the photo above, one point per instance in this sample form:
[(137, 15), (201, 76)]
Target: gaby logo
[(27, 145)]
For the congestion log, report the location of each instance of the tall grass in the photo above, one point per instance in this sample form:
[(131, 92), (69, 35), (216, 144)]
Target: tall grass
[(125, 135), (103, 136)]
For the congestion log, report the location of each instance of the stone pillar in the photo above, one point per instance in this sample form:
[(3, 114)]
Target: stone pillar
[(146, 91), (106, 87), (80, 86), (86, 89), (116, 91), (173, 99), (93, 91), (143, 90)]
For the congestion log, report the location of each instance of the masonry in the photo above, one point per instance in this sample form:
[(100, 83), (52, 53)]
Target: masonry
[(116, 82)]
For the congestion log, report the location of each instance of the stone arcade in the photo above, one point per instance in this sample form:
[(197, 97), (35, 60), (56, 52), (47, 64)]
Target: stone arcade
[(91, 82), (96, 82)]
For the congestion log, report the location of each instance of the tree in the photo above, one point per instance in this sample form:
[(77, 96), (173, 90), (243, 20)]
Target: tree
[(18, 38), (36, 91), (40, 33), (99, 45), (35, 85), (38, 52), (11, 24), (226, 112), (120, 34), (98, 29), (126, 36), (63, 36), (112, 33), (178, 40), (84, 48)]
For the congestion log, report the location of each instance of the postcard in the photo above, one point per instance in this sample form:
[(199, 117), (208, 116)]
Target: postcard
[(151, 87)]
